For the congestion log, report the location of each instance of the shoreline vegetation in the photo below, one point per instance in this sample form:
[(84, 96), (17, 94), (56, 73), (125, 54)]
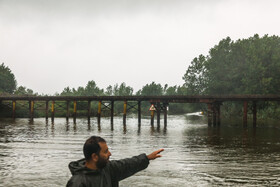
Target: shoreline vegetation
[(244, 66)]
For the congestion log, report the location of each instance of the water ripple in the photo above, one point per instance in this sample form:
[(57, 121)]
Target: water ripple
[(38, 153)]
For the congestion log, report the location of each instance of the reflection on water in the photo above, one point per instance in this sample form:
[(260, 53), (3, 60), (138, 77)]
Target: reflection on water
[(37, 153)]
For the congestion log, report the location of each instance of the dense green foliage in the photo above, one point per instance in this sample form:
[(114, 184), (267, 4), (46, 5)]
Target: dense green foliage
[(124, 90), (151, 89), (91, 89), (247, 66), (22, 90), (7, 80)]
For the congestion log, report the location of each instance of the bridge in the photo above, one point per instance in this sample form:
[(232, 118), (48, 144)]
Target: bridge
[(134, 102)]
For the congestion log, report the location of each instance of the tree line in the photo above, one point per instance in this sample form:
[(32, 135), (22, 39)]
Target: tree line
[(244, 66), (91, 89)]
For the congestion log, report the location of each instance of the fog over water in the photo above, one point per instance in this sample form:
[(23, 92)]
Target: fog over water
[(38, 153)]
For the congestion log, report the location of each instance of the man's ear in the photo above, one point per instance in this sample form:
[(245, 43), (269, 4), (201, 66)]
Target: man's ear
[(94, 157)]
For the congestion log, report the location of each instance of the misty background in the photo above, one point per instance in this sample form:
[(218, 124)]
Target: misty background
[(50, 45)]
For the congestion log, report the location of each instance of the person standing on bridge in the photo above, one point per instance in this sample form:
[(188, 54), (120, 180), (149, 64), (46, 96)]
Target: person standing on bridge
[(96, 169)]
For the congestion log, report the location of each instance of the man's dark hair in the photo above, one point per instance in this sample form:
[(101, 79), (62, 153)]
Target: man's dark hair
[(92, 146)]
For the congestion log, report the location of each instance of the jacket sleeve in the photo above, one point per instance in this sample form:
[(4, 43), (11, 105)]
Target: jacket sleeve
[(121, 169)]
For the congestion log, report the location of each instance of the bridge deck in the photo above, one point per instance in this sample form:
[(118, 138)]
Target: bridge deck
[(160, 102), (172, 98)]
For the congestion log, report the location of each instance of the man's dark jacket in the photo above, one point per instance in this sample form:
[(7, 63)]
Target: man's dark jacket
[(109, 176)]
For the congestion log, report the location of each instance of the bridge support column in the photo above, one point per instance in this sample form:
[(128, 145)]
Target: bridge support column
[(165, 105), (152, 117), (209, 114), (214, 112), (75, 111), (254, 113), (112, 115), (31, 110), (88, 111), (14, 109), (124, 112), (158, 114), (219, 113), (245, 111), (47, 110), (67, 111), (139, 113), (99, 113), (53, 111)]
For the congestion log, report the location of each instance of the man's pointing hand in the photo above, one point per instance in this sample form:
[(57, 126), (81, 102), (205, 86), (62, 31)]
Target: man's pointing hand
[(155, 154)]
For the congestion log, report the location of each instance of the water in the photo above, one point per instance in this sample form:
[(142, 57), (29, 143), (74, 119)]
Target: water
[(38, 153)]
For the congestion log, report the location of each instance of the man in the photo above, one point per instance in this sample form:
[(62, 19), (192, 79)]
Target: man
[(96, 169)]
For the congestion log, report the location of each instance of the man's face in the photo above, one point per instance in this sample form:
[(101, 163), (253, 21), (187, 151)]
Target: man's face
[(104, 155)]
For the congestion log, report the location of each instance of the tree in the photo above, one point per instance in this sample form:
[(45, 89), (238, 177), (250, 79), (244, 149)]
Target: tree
[(247, 66), (195, 79), (92, 90), (172, 90), (66, 92), (122, 90), (7, 80), (22, 90), (109, 90), (151, 89), (182, 90)]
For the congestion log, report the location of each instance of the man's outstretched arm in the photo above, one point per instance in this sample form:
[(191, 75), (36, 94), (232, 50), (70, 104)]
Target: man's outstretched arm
[(124, 168)]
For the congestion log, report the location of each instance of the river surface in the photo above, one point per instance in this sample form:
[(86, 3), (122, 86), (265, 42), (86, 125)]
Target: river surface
[(38, 153)]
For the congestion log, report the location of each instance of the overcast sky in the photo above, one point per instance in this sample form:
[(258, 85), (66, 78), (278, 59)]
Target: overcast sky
[(52, 44)]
